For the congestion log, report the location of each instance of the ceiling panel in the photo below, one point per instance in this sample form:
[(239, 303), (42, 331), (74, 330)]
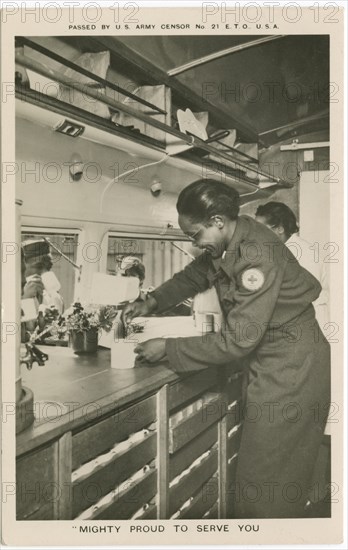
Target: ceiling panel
[(266, 86)]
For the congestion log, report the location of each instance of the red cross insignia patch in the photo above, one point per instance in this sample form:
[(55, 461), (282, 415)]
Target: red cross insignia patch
[(253, 279)]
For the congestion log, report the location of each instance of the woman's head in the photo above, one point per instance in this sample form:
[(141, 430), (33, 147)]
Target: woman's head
[(203, 199), (133, 267), (208, 211), (278, 217), (37, 256), (39, 265), (137, 270)]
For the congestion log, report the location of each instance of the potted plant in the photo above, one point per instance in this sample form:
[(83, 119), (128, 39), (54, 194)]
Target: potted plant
[(83, 325)]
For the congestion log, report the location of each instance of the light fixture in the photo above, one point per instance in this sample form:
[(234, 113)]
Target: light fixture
[(156, 187), (76, 167)]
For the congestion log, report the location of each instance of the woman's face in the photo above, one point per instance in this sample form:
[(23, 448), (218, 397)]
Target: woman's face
[(209, 238)]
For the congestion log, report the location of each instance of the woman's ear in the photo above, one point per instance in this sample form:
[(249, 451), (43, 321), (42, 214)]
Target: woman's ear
[(219, 221)]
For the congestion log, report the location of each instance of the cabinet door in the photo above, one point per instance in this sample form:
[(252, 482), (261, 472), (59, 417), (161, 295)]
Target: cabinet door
[(37, 487)]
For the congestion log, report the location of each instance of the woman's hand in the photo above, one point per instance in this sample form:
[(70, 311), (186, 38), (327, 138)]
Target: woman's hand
[(137, 309), (151, 351), (34, 288)]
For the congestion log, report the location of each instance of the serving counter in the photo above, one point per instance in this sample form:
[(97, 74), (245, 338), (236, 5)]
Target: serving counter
[(126, 444)]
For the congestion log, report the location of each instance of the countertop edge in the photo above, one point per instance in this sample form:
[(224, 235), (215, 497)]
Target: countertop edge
[(27, 440)]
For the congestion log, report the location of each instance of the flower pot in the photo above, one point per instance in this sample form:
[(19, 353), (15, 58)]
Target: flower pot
[(85, 342)]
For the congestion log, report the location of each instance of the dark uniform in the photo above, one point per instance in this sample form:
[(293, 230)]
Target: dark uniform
[(266, 298)]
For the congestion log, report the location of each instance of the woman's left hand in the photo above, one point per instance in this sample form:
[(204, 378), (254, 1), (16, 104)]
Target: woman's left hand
[(151, 351)]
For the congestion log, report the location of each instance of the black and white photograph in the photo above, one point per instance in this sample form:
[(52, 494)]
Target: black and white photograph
[(176, 267)]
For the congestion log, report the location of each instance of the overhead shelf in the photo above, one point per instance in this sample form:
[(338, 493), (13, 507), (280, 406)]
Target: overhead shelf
[(236, 170)]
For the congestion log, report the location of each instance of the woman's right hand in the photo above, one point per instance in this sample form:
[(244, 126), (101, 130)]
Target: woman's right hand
[(138, 309)]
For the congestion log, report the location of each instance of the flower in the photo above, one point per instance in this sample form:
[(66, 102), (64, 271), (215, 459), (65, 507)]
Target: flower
[(83, 319)]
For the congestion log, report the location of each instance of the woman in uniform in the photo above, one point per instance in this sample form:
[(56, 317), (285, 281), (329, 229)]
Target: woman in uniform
[(269, 325), (41, 282)]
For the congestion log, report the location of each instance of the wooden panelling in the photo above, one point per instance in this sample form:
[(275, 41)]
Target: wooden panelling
[(94, 486), (101, 437), (234, 387), (203, 501), (191, 483), (191, 386), (196, 423), (231, 490), (149, 513), (43, 513), (223, 457), (233, 442), (231, 470), (130, 500), (37, 489), (87, 474), (195, 448), (234, 416), (63, 506), (163, 453), (213, 512)]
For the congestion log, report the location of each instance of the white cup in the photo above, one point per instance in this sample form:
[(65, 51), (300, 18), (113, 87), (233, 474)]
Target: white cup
[(122, 354)]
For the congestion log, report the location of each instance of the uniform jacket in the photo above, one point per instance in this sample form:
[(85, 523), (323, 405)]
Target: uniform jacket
[(261, 288), (270, 332)]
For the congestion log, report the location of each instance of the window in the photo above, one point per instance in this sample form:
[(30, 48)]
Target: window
[(66, 242), (160, 257)]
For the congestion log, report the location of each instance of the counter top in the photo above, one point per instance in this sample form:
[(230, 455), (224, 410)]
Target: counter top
[(72, 390)]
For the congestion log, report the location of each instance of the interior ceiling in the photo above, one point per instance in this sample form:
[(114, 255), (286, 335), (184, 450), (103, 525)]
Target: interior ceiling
[(269, 92), (266, 87)]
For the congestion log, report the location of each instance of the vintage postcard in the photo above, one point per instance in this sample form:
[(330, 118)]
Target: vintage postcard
[(173, 237)]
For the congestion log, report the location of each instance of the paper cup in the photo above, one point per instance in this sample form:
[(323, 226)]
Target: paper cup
[(122, 354)]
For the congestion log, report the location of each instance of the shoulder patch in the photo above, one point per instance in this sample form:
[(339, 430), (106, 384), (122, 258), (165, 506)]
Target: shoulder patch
[(253, 279)]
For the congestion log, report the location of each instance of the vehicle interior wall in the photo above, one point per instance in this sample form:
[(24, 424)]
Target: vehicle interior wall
[(52, 200), (290, 165), (103, 201)]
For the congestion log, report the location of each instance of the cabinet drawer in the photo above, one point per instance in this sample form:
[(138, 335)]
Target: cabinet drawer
[(189, 428), (103, 435)]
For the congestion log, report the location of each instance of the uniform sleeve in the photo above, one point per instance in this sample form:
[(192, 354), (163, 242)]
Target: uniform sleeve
[(249, 315), (185, 284), (34, 289)]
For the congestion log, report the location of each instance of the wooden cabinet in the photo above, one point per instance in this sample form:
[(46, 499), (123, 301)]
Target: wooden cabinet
[(36, 487), (171, 453)]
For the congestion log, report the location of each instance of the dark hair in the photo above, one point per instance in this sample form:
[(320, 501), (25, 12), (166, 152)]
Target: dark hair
[(40, 265), (203, 199), (137, 270), (47, 262), (278, 213)]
